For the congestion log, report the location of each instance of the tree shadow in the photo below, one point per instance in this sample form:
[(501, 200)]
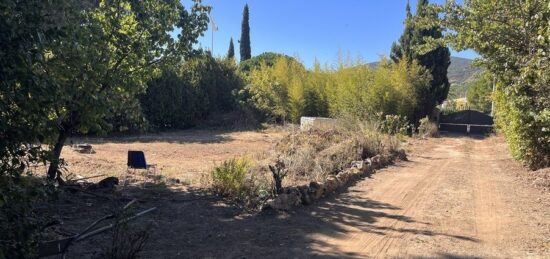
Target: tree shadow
[(194, 223), (174, 137)]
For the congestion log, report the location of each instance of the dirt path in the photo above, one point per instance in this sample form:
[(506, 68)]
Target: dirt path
[(453, 199), (457, 197)]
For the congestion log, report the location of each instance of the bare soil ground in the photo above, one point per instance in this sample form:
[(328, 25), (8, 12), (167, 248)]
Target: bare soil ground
[(457, 197), (184, 155)]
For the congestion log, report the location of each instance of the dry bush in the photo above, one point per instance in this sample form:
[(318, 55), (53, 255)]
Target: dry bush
[(306, 155), (127, 241), (427, 128), (315, 154)]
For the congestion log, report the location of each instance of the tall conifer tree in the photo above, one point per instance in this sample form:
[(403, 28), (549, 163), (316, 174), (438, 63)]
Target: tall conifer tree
[(403, 47), (231, 50), (437, 61), (245, 36)]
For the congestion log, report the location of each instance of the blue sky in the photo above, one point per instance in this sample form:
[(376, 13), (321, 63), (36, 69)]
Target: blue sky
[(312, 29)]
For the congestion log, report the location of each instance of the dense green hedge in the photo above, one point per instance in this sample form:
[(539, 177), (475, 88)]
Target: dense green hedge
[(180, 97)]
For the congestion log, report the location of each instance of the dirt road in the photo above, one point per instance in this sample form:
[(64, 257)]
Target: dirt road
[(457, 197), (453, 199)]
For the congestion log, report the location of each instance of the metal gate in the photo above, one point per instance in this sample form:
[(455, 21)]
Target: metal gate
[(467, 121)]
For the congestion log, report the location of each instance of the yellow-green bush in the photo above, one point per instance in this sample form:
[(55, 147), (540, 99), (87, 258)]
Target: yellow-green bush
[(285, 90), (230, 177)]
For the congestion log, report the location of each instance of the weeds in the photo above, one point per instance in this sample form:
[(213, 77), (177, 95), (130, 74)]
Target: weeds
[(229, 179), (428, 128), (126, 242)]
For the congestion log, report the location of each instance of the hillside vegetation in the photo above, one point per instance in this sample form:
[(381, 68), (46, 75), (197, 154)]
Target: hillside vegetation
[(461, 73)]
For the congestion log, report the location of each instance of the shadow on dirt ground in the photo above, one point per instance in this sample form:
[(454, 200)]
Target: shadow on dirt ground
[(174, 137), (192, 223)]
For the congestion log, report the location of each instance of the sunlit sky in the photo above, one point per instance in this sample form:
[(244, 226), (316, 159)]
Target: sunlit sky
[(312, 29)]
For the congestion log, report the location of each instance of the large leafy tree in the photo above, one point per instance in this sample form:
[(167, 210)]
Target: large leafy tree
[(98, 63), (436, 60), (245, 36), (24, 28), (513, 40)]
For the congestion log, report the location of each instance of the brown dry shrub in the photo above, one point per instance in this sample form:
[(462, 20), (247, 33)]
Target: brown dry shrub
[(313, 155), (428, 129)]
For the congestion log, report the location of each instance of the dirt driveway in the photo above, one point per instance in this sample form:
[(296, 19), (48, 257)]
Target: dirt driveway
[(457, 197)]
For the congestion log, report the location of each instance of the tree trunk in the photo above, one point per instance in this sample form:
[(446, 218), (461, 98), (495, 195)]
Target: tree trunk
[(56, 153)]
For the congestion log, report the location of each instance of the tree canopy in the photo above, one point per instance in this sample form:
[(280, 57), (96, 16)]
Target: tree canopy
[(513, 39), (437, 60)]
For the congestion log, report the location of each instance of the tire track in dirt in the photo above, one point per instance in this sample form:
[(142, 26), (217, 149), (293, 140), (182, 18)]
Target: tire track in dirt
[(405, 187), (469, 218), (416, 194)]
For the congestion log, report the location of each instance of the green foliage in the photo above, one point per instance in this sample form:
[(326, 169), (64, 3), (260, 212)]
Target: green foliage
[(393, 124), (24, 94), (230, 177), (517, 54), (437, 60), (267, 58), (19, 222), (203, 85), (68, 67), (95, 70), (286, 90), (479, 93), (245, 36), (231, 50)]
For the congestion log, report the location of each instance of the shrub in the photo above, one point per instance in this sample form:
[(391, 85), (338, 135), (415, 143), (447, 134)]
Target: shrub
[(393, 124), (203, 85), (428, 128), (315, 154), (230, 177), (19, 193), (285, 90)]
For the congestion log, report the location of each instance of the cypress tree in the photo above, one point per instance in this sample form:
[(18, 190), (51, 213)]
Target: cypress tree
[(231, 50), (437, 61), (245, 36), (403, 47)]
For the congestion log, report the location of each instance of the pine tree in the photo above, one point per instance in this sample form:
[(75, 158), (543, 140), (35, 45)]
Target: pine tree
[(245, 36), (437, 61), (231, 50)]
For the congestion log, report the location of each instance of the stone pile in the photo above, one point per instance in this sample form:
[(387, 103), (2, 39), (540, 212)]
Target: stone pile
[(306, 194)]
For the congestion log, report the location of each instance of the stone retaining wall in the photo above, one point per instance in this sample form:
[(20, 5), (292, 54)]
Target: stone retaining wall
[(306, 194)]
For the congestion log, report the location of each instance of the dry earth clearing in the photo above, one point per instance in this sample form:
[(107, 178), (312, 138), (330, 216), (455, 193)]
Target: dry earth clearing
[(184, 155), (457, 197)]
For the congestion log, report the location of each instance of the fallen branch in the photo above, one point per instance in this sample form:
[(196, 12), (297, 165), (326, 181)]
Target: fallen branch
[(60, 246)]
